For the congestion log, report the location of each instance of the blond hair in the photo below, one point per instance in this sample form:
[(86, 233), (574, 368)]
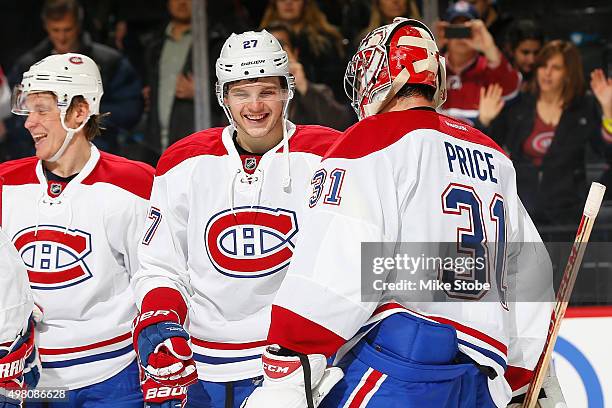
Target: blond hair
[(314, 23), (377, 19)]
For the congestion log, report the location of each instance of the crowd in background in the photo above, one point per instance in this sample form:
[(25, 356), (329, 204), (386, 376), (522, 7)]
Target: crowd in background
[(507, 77)]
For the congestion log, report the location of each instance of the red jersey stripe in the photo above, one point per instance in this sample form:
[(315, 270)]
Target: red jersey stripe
[(56, 351), (228, 346)]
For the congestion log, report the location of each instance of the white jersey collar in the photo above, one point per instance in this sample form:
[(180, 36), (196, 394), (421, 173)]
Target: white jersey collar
[(227, 138), (85, 171)]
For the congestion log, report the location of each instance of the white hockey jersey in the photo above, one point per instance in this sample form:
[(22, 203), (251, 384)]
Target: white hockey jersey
[(420, 177), (15, 295), (223, 238), (79, 248)]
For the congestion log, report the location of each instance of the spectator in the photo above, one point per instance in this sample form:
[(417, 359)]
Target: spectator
[(384, 11), (122, 98), (523, 41), (320, 43), (472, 63), (312, 103), (170, 86), (548, 129), (497, 23), (130, 23)]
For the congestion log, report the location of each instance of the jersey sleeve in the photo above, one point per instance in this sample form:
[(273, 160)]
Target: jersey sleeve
[(124, 227), (319, 305), (532, 303), (16, 302), (162, 250)]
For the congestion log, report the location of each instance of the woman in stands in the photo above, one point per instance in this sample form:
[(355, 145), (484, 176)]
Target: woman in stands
[(548, 130)]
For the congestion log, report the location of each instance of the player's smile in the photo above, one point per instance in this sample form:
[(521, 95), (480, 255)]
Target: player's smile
[(47, 136), (257, 107), (255, 118), (38, 139)]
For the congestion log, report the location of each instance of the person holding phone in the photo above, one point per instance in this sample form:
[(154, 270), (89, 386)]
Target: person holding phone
[(473, 62)]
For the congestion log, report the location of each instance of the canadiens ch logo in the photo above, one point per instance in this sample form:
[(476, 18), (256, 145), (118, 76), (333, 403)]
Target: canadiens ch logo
[(55, 258), (76, 60), (251, 242)]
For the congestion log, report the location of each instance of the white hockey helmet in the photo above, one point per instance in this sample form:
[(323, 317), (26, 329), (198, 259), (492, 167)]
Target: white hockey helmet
[(252, 54), (65, 75)]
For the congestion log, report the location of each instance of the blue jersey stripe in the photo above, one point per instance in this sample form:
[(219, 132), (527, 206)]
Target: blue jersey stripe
[(88, 359), (487, 353), (222, 360)]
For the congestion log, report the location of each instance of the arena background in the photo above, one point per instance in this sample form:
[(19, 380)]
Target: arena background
[(583, 355)]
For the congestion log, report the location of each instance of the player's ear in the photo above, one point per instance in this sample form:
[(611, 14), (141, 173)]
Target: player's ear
[(78, 112)]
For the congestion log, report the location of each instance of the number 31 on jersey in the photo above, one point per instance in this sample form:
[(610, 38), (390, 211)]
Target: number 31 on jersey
[(333, 196)]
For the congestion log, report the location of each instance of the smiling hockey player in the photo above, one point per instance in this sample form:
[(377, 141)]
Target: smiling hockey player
[(225, 215), (75, 214)]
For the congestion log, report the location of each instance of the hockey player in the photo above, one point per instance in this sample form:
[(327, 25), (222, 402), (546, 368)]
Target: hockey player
[(403, 174), (75, 215), (18, 356), (225, 213)]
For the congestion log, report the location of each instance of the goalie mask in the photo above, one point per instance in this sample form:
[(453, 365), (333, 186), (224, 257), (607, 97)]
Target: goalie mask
[(400, 53), (65, 76)]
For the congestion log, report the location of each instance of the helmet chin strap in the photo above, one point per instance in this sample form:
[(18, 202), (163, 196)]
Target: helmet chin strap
[(287, 176), (69, 135)]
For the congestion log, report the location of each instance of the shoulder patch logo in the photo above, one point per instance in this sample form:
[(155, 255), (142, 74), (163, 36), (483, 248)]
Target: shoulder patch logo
[(54, 257), (251, 242)]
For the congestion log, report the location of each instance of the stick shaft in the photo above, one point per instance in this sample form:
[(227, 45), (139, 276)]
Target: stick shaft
[(565, 290)]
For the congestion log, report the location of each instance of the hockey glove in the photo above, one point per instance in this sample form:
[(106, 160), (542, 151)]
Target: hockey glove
[(161, 343), (165, 360), (157, 395), (16, 361), (163, 349), (32, 368), (551, 397), (292, 380)]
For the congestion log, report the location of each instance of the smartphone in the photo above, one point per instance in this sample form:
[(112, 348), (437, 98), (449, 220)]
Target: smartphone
[(458, 31)]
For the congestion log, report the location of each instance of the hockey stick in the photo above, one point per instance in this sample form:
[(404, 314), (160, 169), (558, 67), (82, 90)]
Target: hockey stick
[(591, 208)]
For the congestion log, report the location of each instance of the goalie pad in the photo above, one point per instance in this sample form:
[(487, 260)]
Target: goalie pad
[(293, 381)]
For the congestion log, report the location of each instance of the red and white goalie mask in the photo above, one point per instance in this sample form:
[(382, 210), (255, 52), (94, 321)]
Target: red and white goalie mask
[(400, 53)]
